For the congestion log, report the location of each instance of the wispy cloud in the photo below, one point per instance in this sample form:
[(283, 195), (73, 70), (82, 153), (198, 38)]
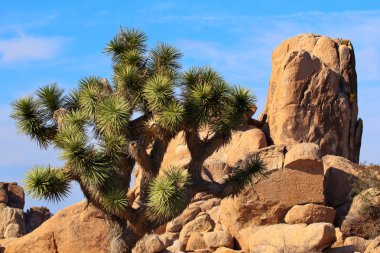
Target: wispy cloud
[(249, 55), (25, 49)]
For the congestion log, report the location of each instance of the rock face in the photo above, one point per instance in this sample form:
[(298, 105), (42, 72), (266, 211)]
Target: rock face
[(312, 96), (268, 200), (363, 219), (73, 229)]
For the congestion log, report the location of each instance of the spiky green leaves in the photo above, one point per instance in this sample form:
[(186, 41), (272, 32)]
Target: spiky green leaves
[(249, 170), (239, 101), (172, 116), (115, 200), (47, 183), (113, 114), (158, 92), (165, 60), (127, 40), (168, 194), (50, 97), (91, 91), (31, 120)]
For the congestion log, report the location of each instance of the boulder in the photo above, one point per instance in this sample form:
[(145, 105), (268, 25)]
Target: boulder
[(312, 96), (218, 239), (359, 243), (196, 242), (154, 243), (202, 223), (339, 239), (310, 213), (188, 215), (363, 219), (268, 200), (374, 246), (35, 216), (16, 196), (12, 222), (298, 238), (12, 195), (78, 228)]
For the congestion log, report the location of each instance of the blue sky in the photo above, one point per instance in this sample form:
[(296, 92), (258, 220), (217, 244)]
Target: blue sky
[(62, 41)]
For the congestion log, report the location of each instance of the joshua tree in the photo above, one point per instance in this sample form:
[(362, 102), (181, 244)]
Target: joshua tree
[(105, 131)]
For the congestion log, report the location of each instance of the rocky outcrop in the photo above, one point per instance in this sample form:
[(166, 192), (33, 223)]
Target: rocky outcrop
[(12, 222), (312, 96), (78, 228)]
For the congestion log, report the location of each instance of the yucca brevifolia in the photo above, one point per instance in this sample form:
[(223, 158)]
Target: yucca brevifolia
[(104, 131)]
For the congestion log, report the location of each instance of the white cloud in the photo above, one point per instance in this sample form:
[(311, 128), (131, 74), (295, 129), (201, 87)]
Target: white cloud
[(24, 49)]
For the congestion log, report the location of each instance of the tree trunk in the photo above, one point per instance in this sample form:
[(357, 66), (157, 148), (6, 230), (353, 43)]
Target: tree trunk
[(121, 238)]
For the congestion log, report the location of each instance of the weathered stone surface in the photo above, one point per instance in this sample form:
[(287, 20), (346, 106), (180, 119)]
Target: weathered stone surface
[(218, 239), (12, 195), (16, 196), (154, 243), (188, 215), (268, 200), (73, 229), (297, 238), (196, 242), (374, 246), (312, 96), (363, 219), (201, 223), (339, 239), (303, 155), (226, 250), (359, 243), (11, 216), (310, 213), (340, 173), (35, 216)]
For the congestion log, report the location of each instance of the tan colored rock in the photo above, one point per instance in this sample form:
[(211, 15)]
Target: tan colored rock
[(374, 246), (154, 243), (312, 96), (11, 216), (201, 223), (226, 250), (339, 239), (218, 239), (188, 215), (303, 155), (310, 213), (359, 243), (196, 242), (297, 238), (13, 230), (74, 229), (267, 201), (363, 218)]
